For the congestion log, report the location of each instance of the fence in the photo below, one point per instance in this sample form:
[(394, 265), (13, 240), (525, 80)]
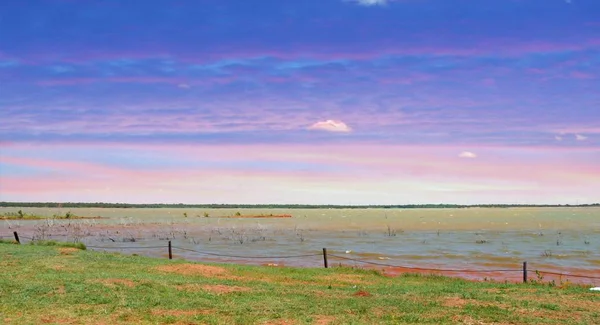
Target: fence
[(325, 255)]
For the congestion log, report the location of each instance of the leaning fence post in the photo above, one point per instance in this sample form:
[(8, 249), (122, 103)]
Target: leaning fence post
[(524, 272), (16, 237), (325, 257), (170, 251)]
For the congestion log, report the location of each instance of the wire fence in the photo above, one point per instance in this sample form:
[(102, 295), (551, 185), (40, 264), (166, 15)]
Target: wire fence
[(326, 256)]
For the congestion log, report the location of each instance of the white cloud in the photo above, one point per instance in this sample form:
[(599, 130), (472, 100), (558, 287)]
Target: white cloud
[(184, 86), (580, 137), (371, 2), (467, 154), (558, 138), (331, 126)]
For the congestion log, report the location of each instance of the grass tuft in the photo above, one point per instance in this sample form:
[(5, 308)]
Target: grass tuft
[(8, 241), (58, 244)]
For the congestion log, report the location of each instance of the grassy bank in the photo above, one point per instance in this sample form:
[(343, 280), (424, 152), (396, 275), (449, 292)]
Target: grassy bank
[(66, 285)]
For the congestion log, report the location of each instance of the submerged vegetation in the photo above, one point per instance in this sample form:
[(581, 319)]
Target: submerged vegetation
[(58, 285)]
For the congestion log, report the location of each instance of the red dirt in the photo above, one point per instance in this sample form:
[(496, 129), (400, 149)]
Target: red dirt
[(362, 293)]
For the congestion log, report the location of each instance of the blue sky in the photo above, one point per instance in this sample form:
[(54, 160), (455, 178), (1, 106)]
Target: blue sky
[(319, 101)]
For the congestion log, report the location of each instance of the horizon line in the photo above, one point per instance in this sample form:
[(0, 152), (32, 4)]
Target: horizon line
[(283, 205)]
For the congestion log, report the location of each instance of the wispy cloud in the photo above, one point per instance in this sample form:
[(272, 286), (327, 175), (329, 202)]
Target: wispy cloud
[(580, 137), (331, 126), (371, 2)]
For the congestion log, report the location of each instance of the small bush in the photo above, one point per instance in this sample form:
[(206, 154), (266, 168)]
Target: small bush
[(8, 241)]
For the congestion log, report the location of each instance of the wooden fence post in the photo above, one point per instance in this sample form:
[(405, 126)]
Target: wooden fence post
[(325, 257), (170, 251), (16, 237), (524, 272)]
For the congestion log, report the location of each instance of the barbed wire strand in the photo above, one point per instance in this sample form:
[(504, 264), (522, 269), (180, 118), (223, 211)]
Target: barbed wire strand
[(127, 247), (421, 268), (570, 275)]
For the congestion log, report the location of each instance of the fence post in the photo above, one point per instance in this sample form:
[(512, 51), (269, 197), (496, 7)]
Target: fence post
[(325, 257), (524, 272), (170, 251), (16, 237)]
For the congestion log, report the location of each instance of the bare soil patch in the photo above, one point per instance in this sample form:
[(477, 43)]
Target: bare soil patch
[(193, 269)]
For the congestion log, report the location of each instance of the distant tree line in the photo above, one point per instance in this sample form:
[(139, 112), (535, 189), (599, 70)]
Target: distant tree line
[(278, 206)]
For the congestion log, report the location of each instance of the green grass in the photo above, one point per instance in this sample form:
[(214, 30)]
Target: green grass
[(57, 285)]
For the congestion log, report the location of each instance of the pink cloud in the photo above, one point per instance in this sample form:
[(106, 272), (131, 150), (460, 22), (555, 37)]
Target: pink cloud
[(467, 154), (331, 126)]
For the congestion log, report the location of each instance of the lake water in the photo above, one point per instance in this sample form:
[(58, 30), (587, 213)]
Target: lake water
[(559, 240)]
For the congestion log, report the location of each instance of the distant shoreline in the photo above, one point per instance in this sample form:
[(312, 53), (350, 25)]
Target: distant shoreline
[(280, 206)]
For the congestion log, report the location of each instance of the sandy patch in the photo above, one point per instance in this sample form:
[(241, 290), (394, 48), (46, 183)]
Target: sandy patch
[(193, 269), (116, 282)]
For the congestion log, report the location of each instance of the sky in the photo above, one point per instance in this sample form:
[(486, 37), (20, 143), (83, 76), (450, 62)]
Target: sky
[(310, 102)]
